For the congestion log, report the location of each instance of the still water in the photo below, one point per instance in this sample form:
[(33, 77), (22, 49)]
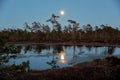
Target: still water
[(44, 56)]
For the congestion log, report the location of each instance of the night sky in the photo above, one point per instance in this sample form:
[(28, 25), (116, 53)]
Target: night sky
[(14, 13)]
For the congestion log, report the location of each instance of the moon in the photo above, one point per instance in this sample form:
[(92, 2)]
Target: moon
[(62, 12)]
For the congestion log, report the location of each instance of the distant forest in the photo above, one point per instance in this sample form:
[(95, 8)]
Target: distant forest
[(72, 33)]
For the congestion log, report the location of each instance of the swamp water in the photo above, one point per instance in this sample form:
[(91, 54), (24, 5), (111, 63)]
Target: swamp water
[(44, 56)]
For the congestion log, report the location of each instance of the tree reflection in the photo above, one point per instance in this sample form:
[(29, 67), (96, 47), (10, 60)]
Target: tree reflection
[(27, 48), (38, 48), (4, 59), (111, 49), (58, 48), (56, 51), (80, 49), (7, 52), (96, 49), (75, 56), (89, 48), (106, 50), (74, 51), (10, 49), (53, 62)]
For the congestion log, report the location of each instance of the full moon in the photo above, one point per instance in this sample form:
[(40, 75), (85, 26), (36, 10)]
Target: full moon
[(62, 12)]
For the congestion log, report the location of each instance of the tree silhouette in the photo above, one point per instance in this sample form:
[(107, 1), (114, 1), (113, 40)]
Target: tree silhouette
[(53, 20), (75, 27), (71, 33)]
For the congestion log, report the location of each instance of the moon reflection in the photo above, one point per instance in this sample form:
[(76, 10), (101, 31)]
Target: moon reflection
[(62, 57)]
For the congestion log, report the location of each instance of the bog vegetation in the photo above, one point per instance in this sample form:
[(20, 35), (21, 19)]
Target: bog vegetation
[(73, 33)]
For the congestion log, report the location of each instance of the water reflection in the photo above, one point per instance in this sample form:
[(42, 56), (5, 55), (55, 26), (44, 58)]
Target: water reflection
[(80, 47), (53, 62), (111, 49), (62, 55), (88, 47), (75, 56), (27, 48), (53, 56)]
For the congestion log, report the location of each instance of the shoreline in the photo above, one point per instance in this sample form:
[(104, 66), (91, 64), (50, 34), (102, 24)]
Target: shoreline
[(68, 43), (102, 69)]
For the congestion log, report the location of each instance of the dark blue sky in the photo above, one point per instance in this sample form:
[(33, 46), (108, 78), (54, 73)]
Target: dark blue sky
[(14, 13)]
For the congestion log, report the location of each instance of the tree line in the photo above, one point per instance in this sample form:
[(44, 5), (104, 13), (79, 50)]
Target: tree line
[(73, 33)]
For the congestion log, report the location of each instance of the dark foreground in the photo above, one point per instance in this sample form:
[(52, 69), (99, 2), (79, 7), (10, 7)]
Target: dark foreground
[(99, 69)]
